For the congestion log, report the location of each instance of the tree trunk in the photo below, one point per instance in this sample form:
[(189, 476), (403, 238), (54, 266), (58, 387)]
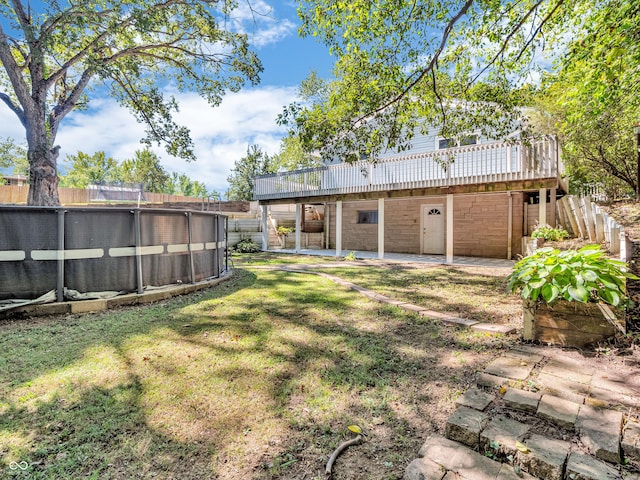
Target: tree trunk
[(43, 174)]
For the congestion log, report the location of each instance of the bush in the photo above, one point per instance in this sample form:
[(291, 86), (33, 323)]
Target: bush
[(246, 245), (285, 230), (585, 275), (549, 233)]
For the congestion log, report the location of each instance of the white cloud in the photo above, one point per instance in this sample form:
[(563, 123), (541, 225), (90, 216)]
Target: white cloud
[(221, 134), (260, 22)]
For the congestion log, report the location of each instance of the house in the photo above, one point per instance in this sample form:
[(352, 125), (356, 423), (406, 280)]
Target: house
[(18, 180), (478, 198)]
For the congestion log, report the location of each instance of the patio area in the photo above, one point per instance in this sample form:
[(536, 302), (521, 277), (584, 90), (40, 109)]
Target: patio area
[(406, 257)]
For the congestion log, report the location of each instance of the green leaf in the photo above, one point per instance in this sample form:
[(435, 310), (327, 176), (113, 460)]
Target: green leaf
[(550, 292), (578, 293)]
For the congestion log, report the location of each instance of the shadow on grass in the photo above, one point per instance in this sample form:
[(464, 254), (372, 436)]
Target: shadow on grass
[(256, 378)]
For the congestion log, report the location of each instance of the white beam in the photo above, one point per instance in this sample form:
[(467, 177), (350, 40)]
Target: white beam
[(381, 228), (449, 213), (339, 228), (298, 225), (542, 211), (265, 227)]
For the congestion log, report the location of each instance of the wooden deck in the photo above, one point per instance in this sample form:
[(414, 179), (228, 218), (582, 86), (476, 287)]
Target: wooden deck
[(494, 167)]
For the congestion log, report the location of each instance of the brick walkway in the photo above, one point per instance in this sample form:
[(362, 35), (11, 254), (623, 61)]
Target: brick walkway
[(537, 413)]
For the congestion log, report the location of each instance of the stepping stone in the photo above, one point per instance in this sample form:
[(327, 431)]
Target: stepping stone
[(585, 467), (568, 369), (453, 456), (631, 440), (465, 425), (559, 411), (510, 367), (526, 349), (526, 356), (599, 431), (504, 432), (476, 399), (546, 457), (493, 328), (491, 381), (522, 400), (424, 469), (563, 388), (613, 398), (615, 383)]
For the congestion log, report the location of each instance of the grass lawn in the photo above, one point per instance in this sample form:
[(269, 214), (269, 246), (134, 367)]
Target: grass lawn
[(256, 378)]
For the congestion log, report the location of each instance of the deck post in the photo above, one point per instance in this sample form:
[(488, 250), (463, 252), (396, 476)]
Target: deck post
[(338, 228), (509, 226), (298, 225), (380, 228), (265, 227), (449, 213), (542, 211)]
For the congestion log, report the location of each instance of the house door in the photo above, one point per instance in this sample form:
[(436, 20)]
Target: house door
[(433, 228)]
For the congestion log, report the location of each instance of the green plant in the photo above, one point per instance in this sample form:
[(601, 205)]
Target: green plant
[(350, 257), (285, 230), (585, 275), (246, 245), (550, 233)]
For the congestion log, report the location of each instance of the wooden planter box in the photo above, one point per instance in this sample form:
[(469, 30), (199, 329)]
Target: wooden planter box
[(570, 323)]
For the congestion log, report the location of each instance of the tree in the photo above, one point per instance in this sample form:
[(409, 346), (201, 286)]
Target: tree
[(145, 168), (292, 155), (405, 65), (593, 99), (255, 162), (85, 170), (181, 184), (13, 156), (53, 56)]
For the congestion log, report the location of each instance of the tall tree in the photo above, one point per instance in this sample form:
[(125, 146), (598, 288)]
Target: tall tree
[(84, 170), (145, 168), (53, 51), (594, 98), (403, 65), (255, 162)]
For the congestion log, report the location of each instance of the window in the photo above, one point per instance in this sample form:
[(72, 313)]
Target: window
[(451, 142), (434, 211), (368, 216)]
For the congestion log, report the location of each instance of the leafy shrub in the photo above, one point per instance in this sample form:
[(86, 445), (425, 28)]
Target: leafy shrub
[(585, 275), (285, 230), (350, 257), (549, 233), (246, 245)]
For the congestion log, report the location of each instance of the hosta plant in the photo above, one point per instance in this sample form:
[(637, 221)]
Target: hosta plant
[(549, 233), (585, 275)]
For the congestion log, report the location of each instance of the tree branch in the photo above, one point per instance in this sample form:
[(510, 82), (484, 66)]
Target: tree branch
[(429, 68), (14, 108)]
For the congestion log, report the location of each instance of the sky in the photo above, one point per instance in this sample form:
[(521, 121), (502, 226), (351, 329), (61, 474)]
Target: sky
[(222, 134)]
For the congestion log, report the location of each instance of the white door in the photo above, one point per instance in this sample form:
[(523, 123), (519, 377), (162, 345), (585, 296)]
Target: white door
[(433, 228)]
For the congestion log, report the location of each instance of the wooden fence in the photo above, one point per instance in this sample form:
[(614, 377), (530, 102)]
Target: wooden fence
[(17, 195), (585, 219)]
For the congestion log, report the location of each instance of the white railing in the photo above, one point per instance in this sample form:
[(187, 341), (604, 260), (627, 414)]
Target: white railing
[(474, 164)]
